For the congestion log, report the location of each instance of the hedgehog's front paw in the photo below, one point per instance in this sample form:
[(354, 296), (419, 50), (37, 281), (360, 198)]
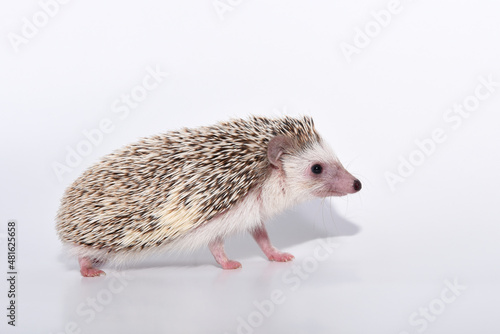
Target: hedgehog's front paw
[(280, 256), (230, 264)]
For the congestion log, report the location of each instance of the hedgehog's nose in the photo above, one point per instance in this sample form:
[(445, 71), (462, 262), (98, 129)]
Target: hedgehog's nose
[(356, 185)]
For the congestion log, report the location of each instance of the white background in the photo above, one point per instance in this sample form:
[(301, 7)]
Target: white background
[(396, 248)]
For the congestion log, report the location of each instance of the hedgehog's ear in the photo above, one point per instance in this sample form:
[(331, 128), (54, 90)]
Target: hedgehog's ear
[(277, 145)]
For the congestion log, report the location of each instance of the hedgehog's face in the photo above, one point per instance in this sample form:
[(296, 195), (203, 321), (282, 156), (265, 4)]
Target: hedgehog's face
[(316, 171), (329, 178)]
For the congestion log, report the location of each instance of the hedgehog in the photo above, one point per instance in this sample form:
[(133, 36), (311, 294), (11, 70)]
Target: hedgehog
[(194, 187)]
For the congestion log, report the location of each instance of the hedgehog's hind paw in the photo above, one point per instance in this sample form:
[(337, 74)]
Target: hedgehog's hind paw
[(217, 249), (86, 268), (230, 264), (91, 272)]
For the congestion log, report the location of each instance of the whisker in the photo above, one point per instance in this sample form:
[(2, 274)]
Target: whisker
[(335, 226), (323, 214)]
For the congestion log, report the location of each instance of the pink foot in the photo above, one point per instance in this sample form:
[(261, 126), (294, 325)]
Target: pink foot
[(91, 272), (230, 264), (260, 235), (276, 255), (217, 249), (86, 268)]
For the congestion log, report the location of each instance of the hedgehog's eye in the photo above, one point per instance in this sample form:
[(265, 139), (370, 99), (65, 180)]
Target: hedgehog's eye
[(317, 169)]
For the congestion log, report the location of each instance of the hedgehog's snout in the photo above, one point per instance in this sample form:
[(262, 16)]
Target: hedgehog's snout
[(356, 185), (343, 183)]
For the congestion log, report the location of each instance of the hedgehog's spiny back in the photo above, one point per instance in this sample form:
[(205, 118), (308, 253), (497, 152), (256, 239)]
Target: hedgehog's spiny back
[(158, 189)]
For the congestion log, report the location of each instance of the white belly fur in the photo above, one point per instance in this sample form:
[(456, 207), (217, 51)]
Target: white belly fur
[(260, 205)]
